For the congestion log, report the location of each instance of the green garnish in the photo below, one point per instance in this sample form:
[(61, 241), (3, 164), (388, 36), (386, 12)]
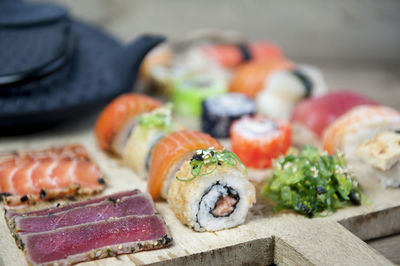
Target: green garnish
[(313, 183), (159, 118), (209, 157)]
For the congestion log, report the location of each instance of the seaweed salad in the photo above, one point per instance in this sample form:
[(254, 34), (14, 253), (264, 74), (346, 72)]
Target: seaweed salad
[(313, 183)]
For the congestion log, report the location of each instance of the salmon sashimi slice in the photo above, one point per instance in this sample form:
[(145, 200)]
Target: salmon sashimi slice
[(170, 150), (360, 124), (249, 78), (116, 121), (28, 176)]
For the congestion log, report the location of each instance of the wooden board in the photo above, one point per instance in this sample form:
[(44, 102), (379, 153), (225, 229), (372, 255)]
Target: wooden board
[(266, 237)]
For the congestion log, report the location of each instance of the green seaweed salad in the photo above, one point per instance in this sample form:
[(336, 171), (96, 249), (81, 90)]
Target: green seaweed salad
[(313, 183)]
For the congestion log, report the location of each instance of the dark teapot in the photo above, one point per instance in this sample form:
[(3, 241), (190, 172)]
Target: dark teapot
[(54, 68)]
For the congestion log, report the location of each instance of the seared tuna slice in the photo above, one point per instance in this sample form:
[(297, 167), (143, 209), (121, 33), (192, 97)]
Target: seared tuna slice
[(102, 239), (59, 208), (140, 204)]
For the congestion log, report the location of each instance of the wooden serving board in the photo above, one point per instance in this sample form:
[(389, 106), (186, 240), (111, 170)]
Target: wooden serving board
[(265, 238)]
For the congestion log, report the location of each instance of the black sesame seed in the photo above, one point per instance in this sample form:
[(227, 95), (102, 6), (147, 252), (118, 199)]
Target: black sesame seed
[(321, 190), (112, 200), (4, 195), (166, 239), (219, 163), (58, 205), (195, 166), (42, 193), (212, 153), (24, 198), (101, 181), (355, 198)]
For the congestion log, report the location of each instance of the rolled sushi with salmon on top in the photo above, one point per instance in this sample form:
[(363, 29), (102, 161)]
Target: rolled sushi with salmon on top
[(117, 120), (206, 186), (151, 128)]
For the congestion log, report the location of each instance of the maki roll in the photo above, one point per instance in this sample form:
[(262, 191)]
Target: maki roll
[(283, 89), (211, 191), (221, 111), (249, 77), (150, 129), (170, 153), (258, 140), (231, 55), (188, 93), (118, 119)]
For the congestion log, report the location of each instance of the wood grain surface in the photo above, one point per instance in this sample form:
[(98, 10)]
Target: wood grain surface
[(283, 238)]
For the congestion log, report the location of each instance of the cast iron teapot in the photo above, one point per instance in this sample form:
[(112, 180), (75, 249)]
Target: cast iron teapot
[(54, 68)]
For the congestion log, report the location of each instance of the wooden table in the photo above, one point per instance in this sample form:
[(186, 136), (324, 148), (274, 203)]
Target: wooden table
[(265, 238)]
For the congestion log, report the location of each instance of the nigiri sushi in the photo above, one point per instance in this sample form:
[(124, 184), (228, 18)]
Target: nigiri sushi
[(258, 140), (283, 89), (117, 120), (170, 153), (249, 78), (151, 127), (230, 55), (312, 116), (211, 191), (358, 125), (30, 176)]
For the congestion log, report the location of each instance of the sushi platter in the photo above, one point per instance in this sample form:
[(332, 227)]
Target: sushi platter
[(282, 238), (230, 154)]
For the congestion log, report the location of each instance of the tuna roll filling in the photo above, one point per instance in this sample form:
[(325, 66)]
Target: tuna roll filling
[(218, 201)]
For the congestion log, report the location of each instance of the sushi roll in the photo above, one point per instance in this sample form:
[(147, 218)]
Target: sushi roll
[(221, 111), (312, 116), (249, 78), (118, 119), (211, 191), (170, 153), (283, 89), (188, 93), (357, 126), (258, 140), (231, 55), (150, 129)]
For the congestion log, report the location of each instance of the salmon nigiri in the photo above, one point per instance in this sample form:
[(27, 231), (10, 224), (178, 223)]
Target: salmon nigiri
[(358, 126), (170, 153), (118, 119), (26, 177), (249, 78)]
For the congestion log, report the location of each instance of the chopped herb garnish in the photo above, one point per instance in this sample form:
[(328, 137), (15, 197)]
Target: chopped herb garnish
[(313, 183), (211, 158), (159, 118)]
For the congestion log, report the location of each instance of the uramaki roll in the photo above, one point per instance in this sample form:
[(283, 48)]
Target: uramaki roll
[(211, 191), (151, 128)]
